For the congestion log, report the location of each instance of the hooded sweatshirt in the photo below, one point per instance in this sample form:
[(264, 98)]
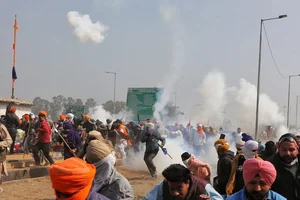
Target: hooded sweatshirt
[(199, 169)]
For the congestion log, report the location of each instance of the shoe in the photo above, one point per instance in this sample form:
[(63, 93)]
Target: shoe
[(154, 176)]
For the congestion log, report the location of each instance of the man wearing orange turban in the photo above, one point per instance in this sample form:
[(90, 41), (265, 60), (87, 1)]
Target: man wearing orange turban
[(72, 180), (223, 166), (258, 176)]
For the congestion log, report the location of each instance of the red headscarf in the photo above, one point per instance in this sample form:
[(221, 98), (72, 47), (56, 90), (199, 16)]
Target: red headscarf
[(72, 176)]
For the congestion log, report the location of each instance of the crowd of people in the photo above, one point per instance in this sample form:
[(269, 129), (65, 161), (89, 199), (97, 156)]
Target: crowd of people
[(246, 169)]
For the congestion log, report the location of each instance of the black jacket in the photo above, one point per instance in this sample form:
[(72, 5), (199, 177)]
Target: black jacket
[(152, 141), (285, 183), (224, 170)]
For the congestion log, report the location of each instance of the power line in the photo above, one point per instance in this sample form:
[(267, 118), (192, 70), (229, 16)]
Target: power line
[(271, 52)]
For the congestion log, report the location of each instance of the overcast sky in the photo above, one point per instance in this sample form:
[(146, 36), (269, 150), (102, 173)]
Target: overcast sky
[(219, 35)]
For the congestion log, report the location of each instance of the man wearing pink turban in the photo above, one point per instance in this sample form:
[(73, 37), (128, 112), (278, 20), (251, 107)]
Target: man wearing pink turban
[(258, 176)]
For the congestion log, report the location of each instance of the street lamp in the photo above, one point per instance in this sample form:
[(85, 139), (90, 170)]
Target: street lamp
[(289, 95), (259, 67), (175, 98), (115, 79), (297, 111)]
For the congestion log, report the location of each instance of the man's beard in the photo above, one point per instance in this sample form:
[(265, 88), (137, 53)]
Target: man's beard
[(287, 159), (256, 195)]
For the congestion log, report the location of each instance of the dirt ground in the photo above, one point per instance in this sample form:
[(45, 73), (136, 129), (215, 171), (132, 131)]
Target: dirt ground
[(41, 189)]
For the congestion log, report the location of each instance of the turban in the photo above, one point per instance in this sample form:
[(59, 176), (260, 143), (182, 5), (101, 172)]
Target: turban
[(264, 169), (97, 150), (67, 125), (95, 135), (26, 117), (185, 156), (250, 149), (70, 116), (43, 113), (221, 145), (250, 145), (87, 117), (71, 176), (150, 125), (62, 117), (246, 137), (13, 110)]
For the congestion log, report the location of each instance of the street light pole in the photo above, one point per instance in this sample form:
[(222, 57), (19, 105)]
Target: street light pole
[(297, 111), (115, 83), (289, 95), (175, 98), (259, 68)]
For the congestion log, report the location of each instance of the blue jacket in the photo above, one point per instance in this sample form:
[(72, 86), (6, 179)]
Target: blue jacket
[(240, 195), (157, 193)]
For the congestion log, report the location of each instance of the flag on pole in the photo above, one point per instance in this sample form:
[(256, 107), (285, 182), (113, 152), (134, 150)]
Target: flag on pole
[(14, 73)]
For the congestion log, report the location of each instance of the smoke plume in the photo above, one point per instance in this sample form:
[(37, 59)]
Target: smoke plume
[(85, 29), (233, 107), (177, 34)]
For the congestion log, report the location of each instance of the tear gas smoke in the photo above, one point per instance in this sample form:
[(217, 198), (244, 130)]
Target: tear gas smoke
[(212, 92), (177, 28), (102, 115), (85, 29), (167, 11), (175, 148), (232, 107)]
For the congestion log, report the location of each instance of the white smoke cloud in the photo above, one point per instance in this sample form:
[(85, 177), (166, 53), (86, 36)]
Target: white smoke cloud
[(102, 115), (178, 54), (237, 104), (212, 92), (85, 29)]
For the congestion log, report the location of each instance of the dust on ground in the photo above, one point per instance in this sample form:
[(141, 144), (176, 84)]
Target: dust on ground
[(41, 188)]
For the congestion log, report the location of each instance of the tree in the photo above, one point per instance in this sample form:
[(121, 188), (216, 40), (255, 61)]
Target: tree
[(119, 106), (70, 101), (90, 105), (79, 102), (57, 106), (60, 104), (40, 104)]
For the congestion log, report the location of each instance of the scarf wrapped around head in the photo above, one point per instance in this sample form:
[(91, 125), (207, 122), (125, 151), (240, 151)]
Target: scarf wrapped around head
[(97, 150), (72, 176), (95, 135), (221, 145), (264, 169), (250, 149)]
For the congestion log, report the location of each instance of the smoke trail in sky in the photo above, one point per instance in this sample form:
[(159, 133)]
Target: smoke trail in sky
[(171, 17)]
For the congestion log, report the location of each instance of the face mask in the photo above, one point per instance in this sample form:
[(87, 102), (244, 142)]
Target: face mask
[(249, 154), (186, 162)]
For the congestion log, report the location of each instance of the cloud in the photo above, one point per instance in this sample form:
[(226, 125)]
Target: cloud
[(85, 29)]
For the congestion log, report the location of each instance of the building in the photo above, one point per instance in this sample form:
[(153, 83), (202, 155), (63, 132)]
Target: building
[(22, 106)]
